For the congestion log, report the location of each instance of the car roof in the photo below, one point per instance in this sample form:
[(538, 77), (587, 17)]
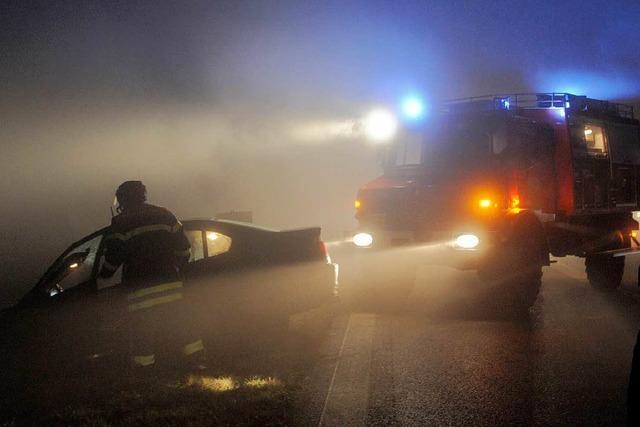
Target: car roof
[(228, 224), (196, 223)]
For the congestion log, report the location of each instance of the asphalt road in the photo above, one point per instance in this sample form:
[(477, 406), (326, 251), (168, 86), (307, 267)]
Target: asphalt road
[(441, 361)]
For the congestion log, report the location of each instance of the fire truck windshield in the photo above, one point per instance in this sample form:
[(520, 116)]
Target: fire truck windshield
[(448, 149)]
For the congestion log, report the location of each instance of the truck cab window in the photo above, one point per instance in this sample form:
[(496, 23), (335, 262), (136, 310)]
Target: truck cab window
[(408, 151), (589, 140), (624, 141), (499, 140), (594, 138)]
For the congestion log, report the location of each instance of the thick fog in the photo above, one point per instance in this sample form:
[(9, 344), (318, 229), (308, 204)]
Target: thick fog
[(222, 106)]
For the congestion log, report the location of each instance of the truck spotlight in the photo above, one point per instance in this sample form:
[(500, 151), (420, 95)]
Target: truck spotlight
[(467, 241), (380, 125), (363, 240)]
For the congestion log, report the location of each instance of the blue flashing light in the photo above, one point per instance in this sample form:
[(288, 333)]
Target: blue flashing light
[(413, 108)]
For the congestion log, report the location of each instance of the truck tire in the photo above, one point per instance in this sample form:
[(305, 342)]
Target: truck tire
[(514, 292), (514, 273), (604, 272)]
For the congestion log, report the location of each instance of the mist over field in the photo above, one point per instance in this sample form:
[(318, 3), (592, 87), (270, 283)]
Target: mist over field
[(249, 105)]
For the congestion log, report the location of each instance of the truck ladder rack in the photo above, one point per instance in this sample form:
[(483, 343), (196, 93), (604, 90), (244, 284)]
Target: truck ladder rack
[(550, 100)]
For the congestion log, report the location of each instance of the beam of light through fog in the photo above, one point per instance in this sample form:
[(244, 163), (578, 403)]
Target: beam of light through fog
[(253, 106)]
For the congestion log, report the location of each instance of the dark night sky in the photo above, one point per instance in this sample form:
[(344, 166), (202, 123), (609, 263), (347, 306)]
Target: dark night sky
[(200, 99)]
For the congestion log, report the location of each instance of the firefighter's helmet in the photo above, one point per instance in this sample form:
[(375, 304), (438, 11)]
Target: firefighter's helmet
[(130, 193)]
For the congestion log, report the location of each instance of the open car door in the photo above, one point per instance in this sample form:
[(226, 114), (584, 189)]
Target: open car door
[(57, 322)]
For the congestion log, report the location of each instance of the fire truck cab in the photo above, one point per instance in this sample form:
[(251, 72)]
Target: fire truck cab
[(503, 181)]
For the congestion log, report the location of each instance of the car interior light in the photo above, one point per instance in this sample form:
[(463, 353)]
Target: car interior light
[(212, 235)]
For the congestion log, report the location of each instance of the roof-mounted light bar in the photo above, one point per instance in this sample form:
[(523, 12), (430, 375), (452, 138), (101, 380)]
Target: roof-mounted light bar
[(551, 100)]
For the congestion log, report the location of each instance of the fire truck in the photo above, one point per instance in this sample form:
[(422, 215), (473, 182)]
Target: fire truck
[(502, 182)]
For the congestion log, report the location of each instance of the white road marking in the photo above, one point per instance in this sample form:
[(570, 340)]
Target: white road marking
[(347, 399), (335, 371)]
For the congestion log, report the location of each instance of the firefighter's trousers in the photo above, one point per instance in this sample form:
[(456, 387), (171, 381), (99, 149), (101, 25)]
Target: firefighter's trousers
[(160, 325)]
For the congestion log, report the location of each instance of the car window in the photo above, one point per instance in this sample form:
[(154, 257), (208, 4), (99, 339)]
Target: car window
[(197, 245), (195, 238), (207, 243), (217, 243), (114, 280), (74, 269)]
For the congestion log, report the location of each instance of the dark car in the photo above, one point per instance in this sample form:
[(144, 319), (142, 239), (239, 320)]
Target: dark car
[(239, 276)]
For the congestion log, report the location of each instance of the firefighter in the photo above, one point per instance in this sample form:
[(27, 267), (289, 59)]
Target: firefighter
[(150, 244)]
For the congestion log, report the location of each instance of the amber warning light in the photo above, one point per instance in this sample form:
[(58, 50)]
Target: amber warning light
[(514, 203), (485, 203), (357, 204)]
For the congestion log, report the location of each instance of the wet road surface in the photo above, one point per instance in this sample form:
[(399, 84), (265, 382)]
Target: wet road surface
[(440, 361)]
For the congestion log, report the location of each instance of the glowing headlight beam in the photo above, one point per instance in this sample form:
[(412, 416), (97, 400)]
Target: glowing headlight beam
[(380, 125), (467, 241), (363, 240)]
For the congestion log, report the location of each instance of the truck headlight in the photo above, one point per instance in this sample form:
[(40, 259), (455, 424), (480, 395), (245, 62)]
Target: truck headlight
[(362, 240), (467, 241)]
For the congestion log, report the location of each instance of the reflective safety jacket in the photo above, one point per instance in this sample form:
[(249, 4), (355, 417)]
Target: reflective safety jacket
[(149, 243)]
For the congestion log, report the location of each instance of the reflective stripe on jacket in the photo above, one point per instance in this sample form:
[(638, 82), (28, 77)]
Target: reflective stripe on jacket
[(152, 296), (149, 243)]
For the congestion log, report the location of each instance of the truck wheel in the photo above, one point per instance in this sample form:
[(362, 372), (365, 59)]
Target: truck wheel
[(514, 273), (514, 292), (604, 272)]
